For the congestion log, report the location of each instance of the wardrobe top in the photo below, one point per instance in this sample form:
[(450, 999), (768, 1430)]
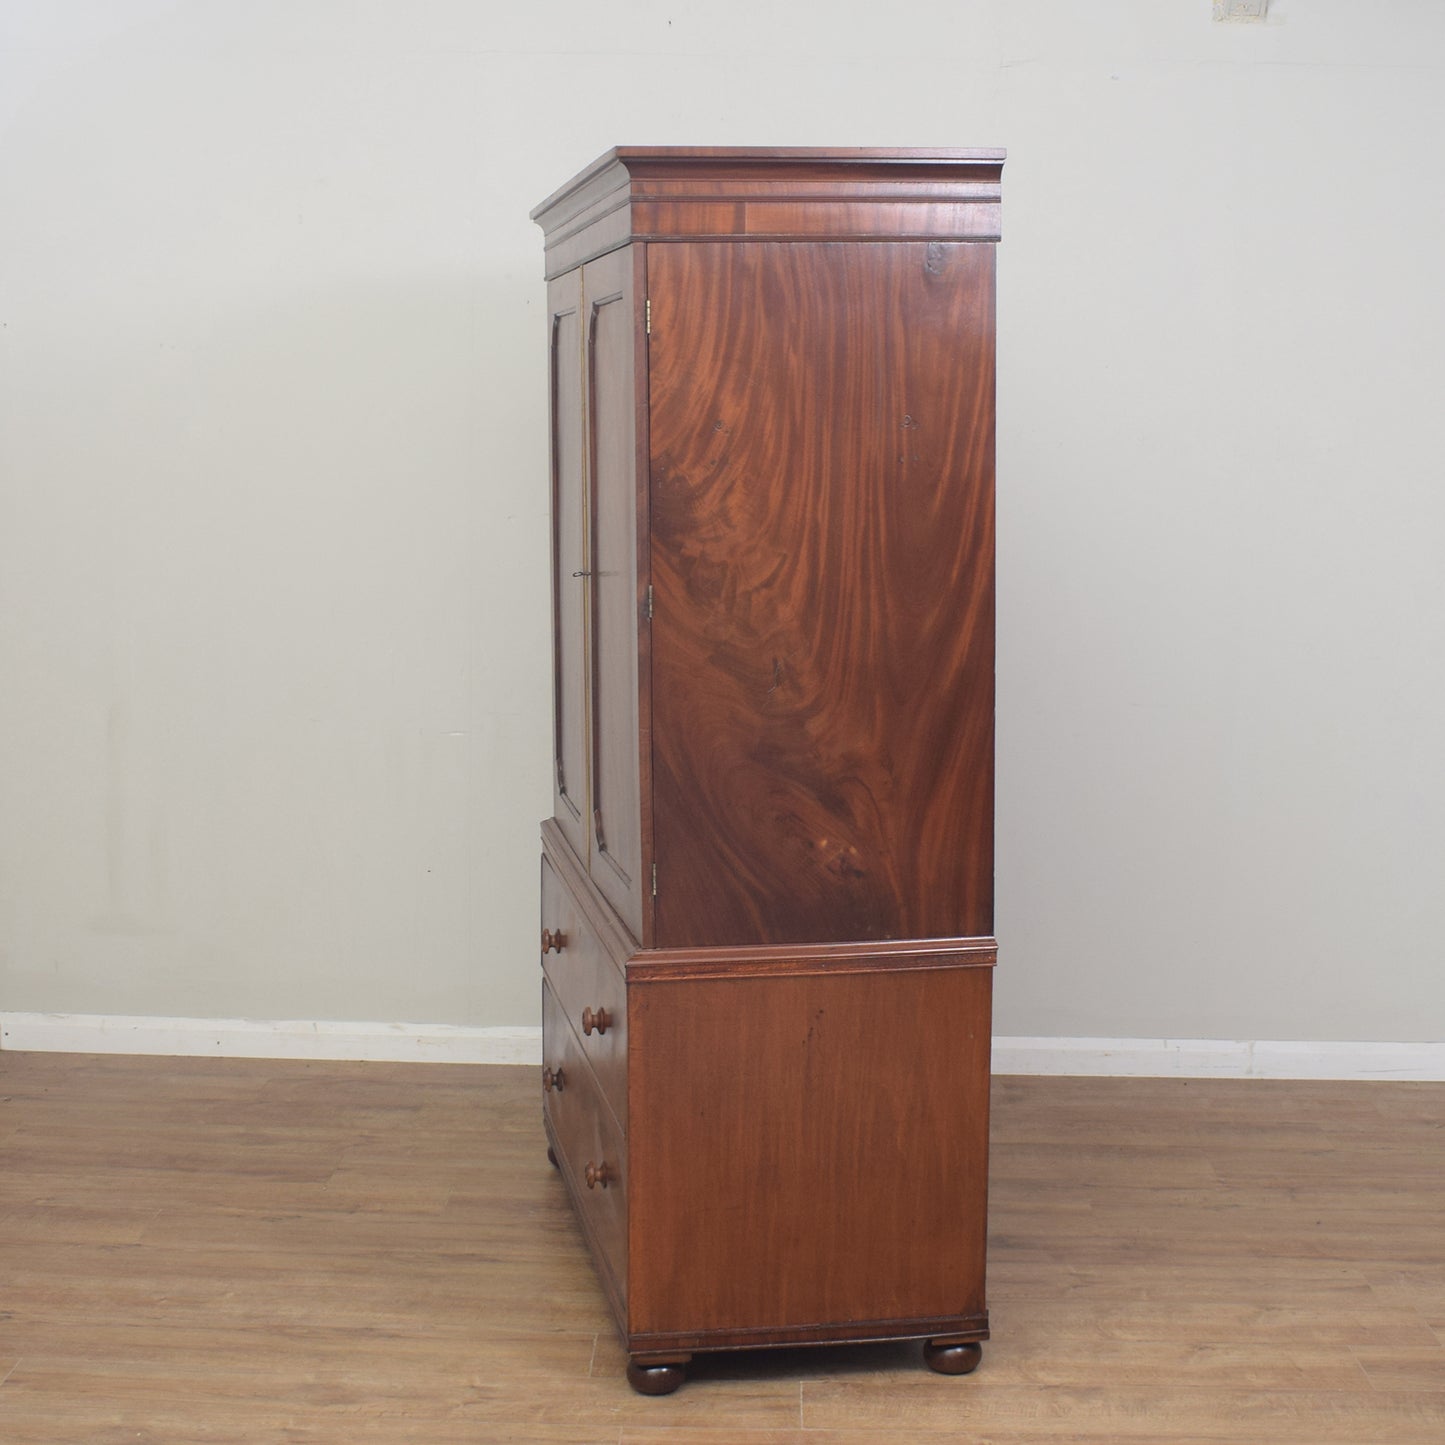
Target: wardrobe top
[(675, 193)]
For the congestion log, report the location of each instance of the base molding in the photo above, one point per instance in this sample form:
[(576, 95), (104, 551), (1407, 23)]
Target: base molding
[(268, 1039), (657, 1345), (1222, 1058)]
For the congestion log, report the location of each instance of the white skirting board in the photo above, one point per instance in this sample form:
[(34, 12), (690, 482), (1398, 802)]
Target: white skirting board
[(269, 1039), (1221, 1058), (457, 1044)]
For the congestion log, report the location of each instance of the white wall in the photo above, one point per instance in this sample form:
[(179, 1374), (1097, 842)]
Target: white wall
[(273, 683)]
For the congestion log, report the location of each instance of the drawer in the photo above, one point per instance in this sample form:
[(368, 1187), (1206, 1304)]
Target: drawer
[(588, 1141), (589, 987)]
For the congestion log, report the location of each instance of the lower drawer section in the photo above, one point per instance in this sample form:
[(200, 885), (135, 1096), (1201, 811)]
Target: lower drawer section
[(809, 1156), (590, 1146)]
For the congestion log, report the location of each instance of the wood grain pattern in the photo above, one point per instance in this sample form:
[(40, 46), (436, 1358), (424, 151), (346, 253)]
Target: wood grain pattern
[(756, 1160), (823, 642)]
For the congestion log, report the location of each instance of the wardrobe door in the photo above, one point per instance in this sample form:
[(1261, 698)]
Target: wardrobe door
[(610, 323), (570, 805)]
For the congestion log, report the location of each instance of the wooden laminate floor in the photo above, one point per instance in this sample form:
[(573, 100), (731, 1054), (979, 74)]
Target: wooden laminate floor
[(255, 1252)]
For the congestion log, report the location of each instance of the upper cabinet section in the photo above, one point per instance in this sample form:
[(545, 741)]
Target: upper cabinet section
[(679, 193), (772, 392)]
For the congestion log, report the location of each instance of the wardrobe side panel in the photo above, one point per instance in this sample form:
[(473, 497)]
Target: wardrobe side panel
[(822, 514), (809, 1150)]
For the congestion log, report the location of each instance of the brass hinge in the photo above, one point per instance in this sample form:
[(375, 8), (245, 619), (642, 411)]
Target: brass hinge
[(654, 880), (649, 315), (649, 602)]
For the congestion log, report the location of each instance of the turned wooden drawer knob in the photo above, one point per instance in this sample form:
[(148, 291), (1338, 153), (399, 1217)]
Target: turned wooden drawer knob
[(553, 1079), (596, 1174), (599, 1020), (553, 942)]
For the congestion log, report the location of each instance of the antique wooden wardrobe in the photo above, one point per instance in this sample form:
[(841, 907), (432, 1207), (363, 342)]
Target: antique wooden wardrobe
[(767, 884)]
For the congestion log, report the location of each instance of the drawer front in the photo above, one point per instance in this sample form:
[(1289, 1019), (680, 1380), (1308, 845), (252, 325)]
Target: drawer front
[(588, 1140), (589, 988)]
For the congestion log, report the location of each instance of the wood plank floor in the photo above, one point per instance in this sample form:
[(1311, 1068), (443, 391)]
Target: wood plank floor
[(246, 1252)]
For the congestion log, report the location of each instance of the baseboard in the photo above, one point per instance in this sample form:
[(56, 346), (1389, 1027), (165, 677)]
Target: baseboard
[(1221, 1058), (269, 1039), (458, 1044)]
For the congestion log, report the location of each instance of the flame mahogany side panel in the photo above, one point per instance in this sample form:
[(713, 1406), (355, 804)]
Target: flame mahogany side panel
[(822, 516)]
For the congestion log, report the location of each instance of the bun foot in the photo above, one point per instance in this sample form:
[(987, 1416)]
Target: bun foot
[(953, 1359), (552, 1157), (656, 1379)]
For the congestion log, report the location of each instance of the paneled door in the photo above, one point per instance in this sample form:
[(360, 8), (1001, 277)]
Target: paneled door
[(571, 804), (616, 595), (597, 594)]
